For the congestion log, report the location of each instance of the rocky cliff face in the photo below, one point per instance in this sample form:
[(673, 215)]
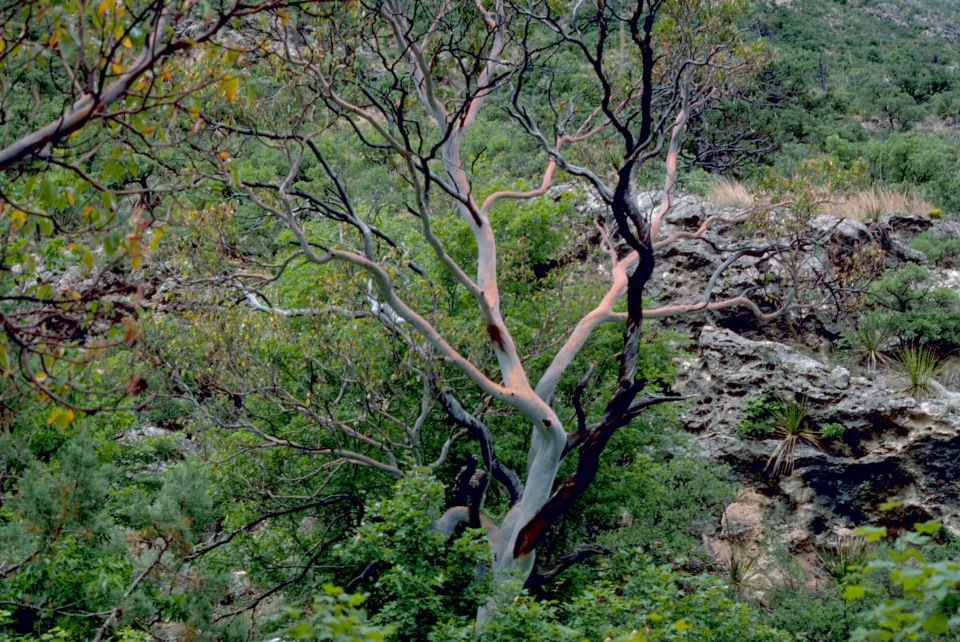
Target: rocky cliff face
[(894, 447)]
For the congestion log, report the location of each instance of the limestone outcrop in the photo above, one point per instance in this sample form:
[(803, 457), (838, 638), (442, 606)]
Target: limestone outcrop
[(894, 446)]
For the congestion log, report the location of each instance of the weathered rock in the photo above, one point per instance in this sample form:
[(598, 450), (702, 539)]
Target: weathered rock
[(742, 520), (894, 447), (845, 231), (142, 432), (906, 226), (685, 266), (749, 536), (900, 229)]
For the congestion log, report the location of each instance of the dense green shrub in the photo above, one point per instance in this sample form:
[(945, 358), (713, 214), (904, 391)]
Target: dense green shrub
[(936, 246), (424, 579), (519, 617), (635, 601), (904, 591), (77, 533), (925, 601), (931, 162), (846, 151), (665, 605), (652, 489), (430, 587), (334, 616), (660, 503), (914, 307), (757, 416), (814, 616)]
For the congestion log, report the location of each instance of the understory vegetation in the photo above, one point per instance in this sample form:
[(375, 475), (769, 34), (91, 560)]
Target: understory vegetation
[(347, 321)]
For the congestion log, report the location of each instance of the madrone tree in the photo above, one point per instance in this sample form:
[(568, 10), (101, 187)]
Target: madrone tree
[(600, 92)]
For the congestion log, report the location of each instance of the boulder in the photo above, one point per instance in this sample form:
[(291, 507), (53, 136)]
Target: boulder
[(747, 532)]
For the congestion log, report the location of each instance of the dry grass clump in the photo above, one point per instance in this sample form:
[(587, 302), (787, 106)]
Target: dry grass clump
[(874, 204), (729, 193)]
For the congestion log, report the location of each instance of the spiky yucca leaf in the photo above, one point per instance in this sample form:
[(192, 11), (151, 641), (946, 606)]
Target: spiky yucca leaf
[(920, 366), (741, 570), (791, 418), (868, 340), (846, 556)]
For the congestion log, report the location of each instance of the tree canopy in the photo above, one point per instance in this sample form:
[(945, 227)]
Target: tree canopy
[(334, 320)]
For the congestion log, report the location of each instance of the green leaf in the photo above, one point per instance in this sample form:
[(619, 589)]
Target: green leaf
[(683, 625), (300, 631), (910, 553), (108, 201), (48, 194), (872, 533), (54, 415), (229, 86), (927, 527), (853, 592), (915, 539), (111, 242), (67, 44), (45, 225), (936, 623), (114, 171)]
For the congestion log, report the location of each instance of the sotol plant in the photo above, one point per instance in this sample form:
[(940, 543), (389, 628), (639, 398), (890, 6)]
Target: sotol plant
[(920, 366), (848, 555), (741, 570), (868, 338), (793, 430)]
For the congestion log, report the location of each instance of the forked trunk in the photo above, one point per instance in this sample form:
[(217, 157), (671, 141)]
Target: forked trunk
[(546, 450)]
